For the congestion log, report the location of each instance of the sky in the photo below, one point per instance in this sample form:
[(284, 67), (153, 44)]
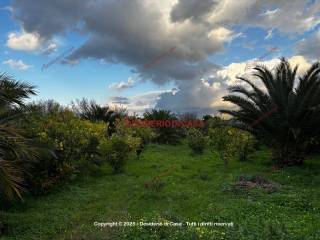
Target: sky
[(180, 55)]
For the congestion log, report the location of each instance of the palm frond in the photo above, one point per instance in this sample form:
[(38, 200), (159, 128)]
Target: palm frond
[(296, 120), (14, 92)]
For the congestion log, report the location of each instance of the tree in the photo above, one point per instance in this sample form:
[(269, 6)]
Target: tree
[(165, 135), (224, 139), (196, 140), (284, 113), (92, 111), (14, 148)]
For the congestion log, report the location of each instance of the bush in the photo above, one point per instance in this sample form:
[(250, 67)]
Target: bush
[(196, 140), (229, 142), (146, 134), (223, 140), (72, 138), (117, 149), (212, 122), (72, 142), (165, 135), (245, 144)]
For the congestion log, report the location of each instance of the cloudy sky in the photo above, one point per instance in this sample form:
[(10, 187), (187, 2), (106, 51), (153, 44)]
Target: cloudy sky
[(175, 54)]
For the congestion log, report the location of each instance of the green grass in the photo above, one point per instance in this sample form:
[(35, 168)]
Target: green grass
[(196, 188)]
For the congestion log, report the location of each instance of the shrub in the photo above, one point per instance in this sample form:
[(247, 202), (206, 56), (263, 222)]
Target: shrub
[(196, 140), (146, 134), (229, 142), (73, 143), (43, 108), (211, 122), (165, 135), (245, 144), (117, 149), (223, 140), (71, 137), (187, 117)]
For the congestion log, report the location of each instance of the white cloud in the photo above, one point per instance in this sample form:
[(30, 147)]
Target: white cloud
[(200, 97), (7, 8), (146, 100), (205, 96), (270, 34), (197, 30), (122, 85), (271, 13), (234, 69), (221, 34), (17, 64), (50, 48), (230, 73), (301, 61), (138, 103), (24, 41)]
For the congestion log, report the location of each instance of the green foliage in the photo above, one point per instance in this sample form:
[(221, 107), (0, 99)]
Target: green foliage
[(92, 111), (72, 142), (165, 135), (224, 142), (245, 144), (69, 136), (286, 115), (146, 134), (15, 150), (196, 140), (117, 149), (229, 142), (212, 122), (43, 108), (187, 117)]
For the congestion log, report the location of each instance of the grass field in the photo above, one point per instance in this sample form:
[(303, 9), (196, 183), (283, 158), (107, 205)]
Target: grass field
[(190, 189)]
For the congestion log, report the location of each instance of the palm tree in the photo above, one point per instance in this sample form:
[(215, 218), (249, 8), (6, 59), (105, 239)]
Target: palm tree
[(284, 114), (14, 148), (92, 111), (165, 135)]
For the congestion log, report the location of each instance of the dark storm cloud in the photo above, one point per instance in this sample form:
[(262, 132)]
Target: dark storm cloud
[(128, 31), (49, 17), (193, 96), (134, 32), (191, 9), (120, 100), (309, 47)]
